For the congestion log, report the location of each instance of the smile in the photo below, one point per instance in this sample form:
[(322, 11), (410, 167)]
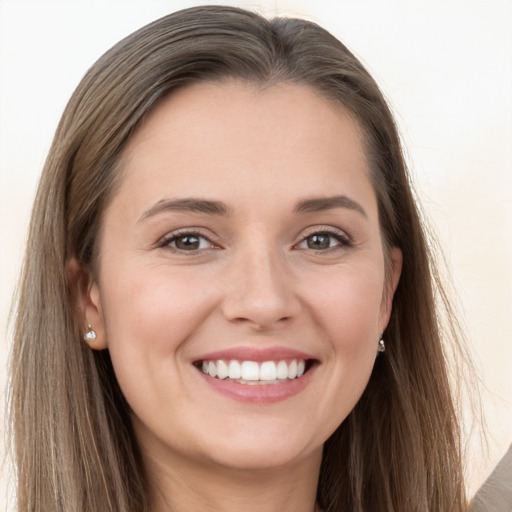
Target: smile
[(257, 375), (253, 372)]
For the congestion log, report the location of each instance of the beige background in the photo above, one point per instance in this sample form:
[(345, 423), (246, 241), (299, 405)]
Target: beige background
[(446, 67)]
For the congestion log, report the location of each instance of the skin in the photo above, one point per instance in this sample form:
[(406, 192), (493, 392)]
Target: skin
[(255, 281)]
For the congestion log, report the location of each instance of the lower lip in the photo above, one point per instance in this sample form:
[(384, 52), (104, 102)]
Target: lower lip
[(259, 393)]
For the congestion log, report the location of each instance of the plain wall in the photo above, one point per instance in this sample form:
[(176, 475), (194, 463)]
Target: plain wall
[(446, 68)]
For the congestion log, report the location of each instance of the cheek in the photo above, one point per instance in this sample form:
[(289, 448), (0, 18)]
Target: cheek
[(347, 304), (153, 311)]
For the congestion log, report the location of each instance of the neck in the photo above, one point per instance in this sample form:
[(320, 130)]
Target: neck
[(196, 487)]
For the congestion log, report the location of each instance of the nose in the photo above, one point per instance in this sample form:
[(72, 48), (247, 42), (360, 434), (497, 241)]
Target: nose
[(260, 291)]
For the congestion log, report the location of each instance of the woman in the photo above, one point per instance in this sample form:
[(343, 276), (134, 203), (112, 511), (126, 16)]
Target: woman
[(228, 301)]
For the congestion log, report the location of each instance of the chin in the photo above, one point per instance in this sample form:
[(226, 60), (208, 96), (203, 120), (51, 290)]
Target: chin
[(262, 458), (253, 451)]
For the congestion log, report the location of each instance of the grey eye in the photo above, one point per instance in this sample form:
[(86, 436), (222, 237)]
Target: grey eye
[(319, 241)]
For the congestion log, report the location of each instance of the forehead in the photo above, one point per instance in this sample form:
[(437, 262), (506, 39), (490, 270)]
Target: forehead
[(246, 109), (268, 141)]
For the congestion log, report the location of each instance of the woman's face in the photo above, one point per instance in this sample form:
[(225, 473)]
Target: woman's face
[(241, 249)]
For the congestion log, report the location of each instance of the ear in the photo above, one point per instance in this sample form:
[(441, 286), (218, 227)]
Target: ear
[(86, 293), (392, 278)]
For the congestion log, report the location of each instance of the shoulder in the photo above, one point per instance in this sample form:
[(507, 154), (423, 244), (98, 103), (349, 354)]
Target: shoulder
[(496, 493)]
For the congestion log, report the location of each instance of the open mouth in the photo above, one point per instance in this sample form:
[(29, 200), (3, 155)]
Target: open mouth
[(254, 372)]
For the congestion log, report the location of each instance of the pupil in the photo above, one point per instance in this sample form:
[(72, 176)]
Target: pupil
[(187, 242), (318, 242)]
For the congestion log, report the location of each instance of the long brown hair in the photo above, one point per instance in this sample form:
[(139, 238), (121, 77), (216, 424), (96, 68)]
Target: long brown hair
[(399, 449)]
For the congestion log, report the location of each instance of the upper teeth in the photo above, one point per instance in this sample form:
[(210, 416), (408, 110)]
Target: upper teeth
[(253, 371)]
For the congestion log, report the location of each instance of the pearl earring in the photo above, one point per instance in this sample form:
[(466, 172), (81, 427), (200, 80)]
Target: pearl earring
[(90, 334), (382, 345)]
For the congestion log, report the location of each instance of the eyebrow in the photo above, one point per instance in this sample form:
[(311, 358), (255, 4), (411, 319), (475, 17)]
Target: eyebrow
[(209, 207), (318, 204), (187, 205)]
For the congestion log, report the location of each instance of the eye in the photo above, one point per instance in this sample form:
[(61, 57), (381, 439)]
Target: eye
[(324, 240), (187, 242)]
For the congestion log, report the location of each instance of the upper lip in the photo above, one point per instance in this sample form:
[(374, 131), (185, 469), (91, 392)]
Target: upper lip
[(255, 354)]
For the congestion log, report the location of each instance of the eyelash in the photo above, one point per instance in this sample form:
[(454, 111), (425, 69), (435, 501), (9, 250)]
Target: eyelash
[(343, 241)]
